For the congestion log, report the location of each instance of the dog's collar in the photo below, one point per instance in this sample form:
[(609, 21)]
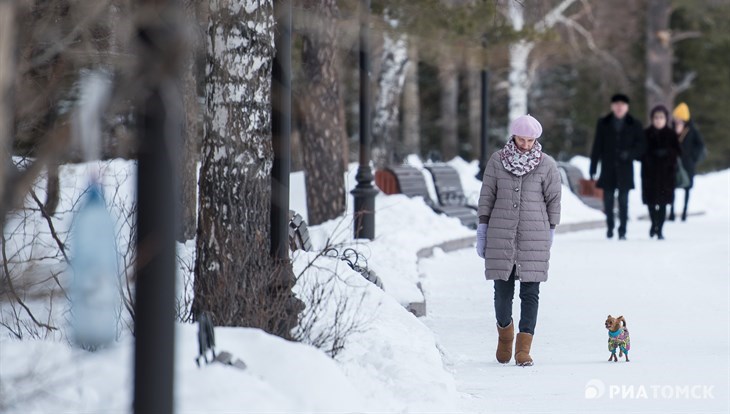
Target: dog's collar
[(615, 333)]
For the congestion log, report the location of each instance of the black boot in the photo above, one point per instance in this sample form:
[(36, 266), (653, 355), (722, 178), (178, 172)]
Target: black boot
[(661, 215), (652, 217)]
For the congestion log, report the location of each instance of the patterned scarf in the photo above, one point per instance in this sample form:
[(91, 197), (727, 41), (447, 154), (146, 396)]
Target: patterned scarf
[(517, 162)]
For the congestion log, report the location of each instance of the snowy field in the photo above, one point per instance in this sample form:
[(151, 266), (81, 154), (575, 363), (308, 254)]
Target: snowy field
[(673, 294)]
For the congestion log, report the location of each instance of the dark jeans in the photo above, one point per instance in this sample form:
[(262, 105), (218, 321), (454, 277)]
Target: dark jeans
[(623, 209), (504, 292)]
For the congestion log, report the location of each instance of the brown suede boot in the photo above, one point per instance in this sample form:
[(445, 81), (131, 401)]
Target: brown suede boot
[(504, 344), (522, 349)]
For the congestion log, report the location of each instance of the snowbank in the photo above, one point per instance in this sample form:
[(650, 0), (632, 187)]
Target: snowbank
[(281, 376), (389, 364), (391, 355)]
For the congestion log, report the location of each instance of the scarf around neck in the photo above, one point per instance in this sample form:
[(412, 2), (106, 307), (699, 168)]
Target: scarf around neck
[(517, 162)]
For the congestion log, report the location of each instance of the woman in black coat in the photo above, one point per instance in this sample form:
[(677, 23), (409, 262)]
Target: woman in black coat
[(693, 149), (658, 168)]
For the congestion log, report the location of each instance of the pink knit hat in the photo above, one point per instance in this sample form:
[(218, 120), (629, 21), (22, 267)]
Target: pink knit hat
[(526, 126)]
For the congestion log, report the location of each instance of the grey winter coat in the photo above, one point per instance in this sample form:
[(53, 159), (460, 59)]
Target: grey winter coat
[(520, 211)]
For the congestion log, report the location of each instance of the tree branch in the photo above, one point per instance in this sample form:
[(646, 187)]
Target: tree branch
[(689, 34), (685, 83), (591, 43), (650, 84), (553, 16), (51, 227), (14, 293)]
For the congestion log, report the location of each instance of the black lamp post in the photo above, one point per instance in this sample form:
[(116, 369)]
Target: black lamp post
[(281, 131), (484, 138), (159, 118), (364, 193)]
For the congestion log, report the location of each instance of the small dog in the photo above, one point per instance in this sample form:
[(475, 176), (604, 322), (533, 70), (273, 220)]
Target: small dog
[(618, 337)]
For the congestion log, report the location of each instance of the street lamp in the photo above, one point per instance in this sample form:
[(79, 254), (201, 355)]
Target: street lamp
[(364, 192)]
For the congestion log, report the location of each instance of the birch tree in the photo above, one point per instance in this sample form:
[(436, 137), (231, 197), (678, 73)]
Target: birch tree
[(520, 70), (236, 280), (387, 102), (411, 104)]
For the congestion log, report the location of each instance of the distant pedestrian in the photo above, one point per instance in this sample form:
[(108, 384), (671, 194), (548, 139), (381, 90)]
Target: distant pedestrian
[(658, 169), (693, 150), (618, 142), (519, 207)]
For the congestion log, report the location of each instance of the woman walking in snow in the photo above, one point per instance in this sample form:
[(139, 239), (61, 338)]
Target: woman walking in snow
[(658, 169), (519, 207), (693, 149)]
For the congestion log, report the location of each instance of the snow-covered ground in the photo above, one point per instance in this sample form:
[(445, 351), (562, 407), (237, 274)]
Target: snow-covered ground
[(674, 295), (395, 362)]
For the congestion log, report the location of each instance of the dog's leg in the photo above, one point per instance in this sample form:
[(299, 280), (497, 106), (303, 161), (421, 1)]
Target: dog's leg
[(610, 358), (620, 353)]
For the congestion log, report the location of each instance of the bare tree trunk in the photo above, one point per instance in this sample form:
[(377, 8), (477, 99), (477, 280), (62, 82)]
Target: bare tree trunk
[(519, 51), (322, 126), (519, 54), (449, 81), (658, 54), (233, 269), (190, 154), (411, 105), (474, 81), (387, 102), (7, 80)]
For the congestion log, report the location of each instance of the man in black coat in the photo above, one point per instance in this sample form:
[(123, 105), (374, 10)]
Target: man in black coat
[(618, 142)]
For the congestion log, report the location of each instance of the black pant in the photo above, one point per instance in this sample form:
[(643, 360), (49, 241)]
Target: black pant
[(609, 195), (504, 292), (686, 201), (657, 214)]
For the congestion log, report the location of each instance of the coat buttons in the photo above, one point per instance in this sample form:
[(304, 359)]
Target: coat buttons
[(514, 205), (517, 189)]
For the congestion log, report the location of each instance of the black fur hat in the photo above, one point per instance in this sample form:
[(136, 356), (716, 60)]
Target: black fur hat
[(619, 97)]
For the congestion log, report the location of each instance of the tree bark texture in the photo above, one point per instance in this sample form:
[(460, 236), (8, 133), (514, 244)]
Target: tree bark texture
[(7, 80), (236, 279), (658, 54), (474, 81), (386, 146), (449, 81), (411, 105), (190, 154), (322, 126)]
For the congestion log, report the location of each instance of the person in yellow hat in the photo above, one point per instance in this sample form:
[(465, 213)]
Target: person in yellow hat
[(693, 150)]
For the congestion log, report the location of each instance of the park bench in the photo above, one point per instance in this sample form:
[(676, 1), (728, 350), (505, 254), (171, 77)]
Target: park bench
[(298, 233), (448, 185), (408, 180), (299, 240), (585, 189)]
